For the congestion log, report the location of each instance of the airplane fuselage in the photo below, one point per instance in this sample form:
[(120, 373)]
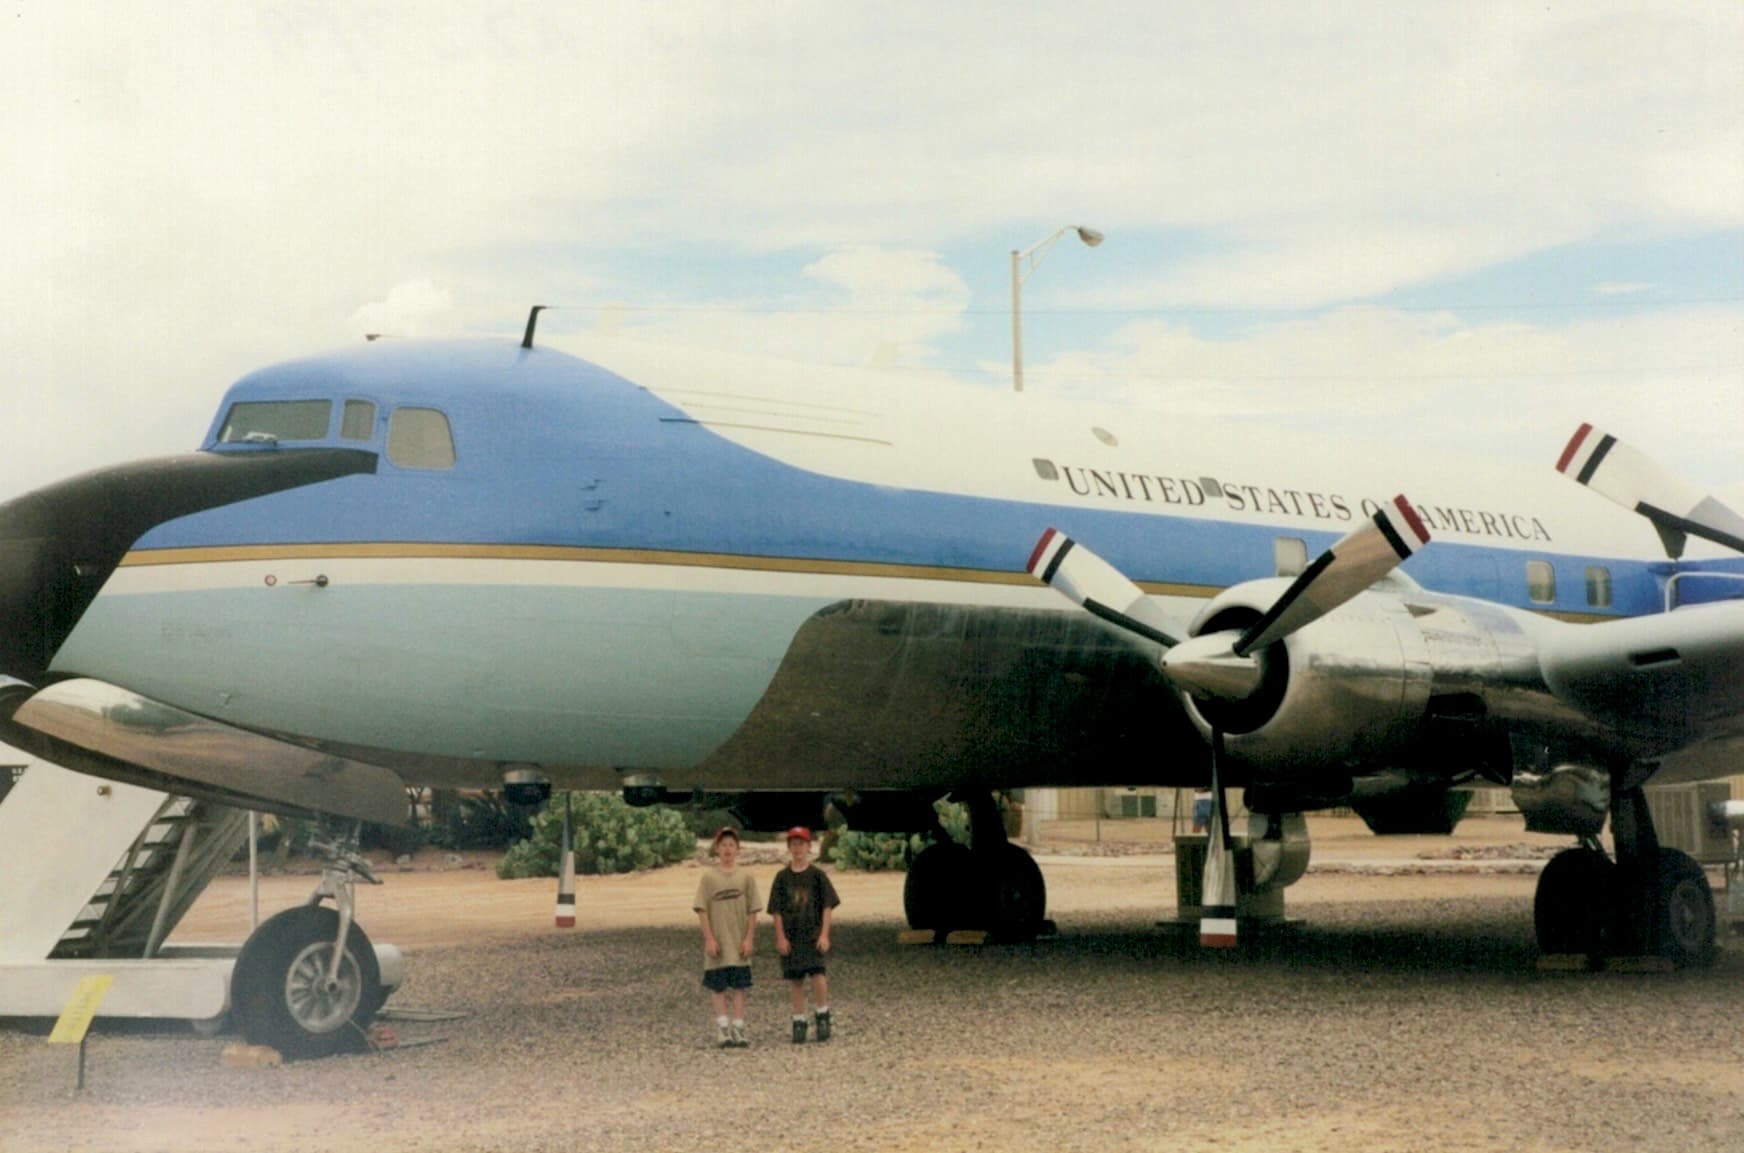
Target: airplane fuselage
[(737, 576)]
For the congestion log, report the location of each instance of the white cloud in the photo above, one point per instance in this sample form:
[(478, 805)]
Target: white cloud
[(1669, 382), (897, 301), (412, 309), (191, 193)]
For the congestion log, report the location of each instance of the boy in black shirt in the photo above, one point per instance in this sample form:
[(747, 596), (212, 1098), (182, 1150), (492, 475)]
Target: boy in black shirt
[(801, 900)]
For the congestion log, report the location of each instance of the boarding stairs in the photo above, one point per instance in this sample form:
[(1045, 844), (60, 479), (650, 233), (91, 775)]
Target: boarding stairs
[(96, 874), (156, 880)]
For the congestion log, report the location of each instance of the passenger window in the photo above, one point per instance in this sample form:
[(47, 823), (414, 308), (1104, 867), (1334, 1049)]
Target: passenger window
[(1540, 582), (1598, 586), (1290, 555), (420, 438), (358, 420), (270, 421)]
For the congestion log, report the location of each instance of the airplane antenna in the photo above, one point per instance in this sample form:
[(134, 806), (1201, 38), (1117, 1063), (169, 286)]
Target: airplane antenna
[(532, 322)]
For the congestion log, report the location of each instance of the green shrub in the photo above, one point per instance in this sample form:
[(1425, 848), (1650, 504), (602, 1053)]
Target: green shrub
[(609, 836), (874, 852)]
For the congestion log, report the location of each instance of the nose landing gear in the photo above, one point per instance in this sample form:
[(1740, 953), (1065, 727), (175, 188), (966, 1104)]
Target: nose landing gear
[(307, 980)]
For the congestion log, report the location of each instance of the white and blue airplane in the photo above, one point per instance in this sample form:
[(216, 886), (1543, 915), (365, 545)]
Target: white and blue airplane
[(471, 564)]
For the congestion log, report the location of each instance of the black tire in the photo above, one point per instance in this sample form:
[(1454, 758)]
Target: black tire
[(1020, 895), (936, 893), (275, 998), (1686, 927), (1573, 907)]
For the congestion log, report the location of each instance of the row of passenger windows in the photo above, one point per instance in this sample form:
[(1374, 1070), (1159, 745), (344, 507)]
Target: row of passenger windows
[(417, 437), (1291, 556)]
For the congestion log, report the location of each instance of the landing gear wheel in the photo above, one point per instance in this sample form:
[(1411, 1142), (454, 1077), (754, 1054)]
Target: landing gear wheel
[(1020, 896), (935, 894), (1572, 909), (280, 995), (1686, 911)]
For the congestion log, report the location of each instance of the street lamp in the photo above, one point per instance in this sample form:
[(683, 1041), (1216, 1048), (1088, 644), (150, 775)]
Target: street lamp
[(1034, 255)]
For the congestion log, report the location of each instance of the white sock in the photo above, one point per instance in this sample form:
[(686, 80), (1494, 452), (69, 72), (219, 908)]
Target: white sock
[(738, 1022), (823, 1010), (799, 1017), (721, 1020)]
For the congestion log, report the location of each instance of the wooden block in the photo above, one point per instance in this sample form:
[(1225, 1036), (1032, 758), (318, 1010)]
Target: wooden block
[(1639, 965), (917, 937), (250, 1057), (1564, 963), (966, 937)]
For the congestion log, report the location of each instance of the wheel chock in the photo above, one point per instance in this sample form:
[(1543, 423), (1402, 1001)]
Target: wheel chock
[(917, 937), (1639, 965), (250, 1057), (1566, 963), (967, 937)]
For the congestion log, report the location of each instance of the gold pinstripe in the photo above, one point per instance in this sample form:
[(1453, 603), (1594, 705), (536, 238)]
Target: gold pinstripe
[(418, 550)]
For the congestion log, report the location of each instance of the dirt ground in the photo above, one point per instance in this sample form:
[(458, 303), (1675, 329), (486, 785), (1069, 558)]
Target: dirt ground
[(437, 903), (1405, 1013)]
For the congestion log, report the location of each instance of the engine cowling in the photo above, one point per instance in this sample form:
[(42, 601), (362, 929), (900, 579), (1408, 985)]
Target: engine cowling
[(1350, 689)]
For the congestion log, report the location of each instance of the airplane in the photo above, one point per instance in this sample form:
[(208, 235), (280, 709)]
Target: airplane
[(697, 578)]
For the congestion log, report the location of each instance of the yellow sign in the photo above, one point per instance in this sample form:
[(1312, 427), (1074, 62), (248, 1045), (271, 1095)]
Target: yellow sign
[(81, 1007)]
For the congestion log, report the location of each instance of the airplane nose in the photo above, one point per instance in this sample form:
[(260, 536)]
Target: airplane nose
[(59, 544)]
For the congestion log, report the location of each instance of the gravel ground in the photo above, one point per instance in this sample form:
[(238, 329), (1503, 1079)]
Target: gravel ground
[(1405, 1013)]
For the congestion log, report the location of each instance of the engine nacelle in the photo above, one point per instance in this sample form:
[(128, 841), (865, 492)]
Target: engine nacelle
[(1349, 689)]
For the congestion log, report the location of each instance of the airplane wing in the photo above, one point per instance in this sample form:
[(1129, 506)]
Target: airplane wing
[(1677, 674), (111, 732)]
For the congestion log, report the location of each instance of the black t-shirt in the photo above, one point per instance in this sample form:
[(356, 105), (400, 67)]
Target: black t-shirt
[(800, 899)]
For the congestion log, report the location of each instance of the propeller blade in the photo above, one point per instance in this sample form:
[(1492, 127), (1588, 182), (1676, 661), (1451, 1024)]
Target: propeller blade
[(1086, 579), (1217, 897), (1641, 484), (1363, 557)]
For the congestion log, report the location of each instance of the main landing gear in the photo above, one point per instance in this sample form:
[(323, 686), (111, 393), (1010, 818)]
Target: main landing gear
[(307, 981), (994, 886), (1651, 901)]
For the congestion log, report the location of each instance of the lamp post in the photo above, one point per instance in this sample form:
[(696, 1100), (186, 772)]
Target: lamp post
[(1033, 257)]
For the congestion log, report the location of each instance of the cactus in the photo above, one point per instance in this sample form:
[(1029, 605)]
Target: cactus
[(873, 852), (609, 837)]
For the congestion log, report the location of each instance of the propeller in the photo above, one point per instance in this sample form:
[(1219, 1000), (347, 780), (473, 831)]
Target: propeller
[(1677, 508), (1222, 666), (1087, 580)]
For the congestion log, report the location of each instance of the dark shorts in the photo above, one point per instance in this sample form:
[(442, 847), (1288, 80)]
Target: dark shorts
[(728, 977), (801, 971)]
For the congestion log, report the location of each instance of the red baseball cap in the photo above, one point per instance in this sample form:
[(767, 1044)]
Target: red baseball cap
[(799, 832)]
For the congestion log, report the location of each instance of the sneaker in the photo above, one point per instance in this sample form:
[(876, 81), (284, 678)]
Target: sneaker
[(738, 1041), (723, 1037), (799, 1030), (823, 1029)]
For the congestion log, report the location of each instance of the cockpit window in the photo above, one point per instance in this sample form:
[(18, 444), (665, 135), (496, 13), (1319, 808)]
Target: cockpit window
[(357, 422), (270, 421), (420, 438)]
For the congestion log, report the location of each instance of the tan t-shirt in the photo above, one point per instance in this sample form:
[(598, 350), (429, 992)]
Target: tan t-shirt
[(730, 899)]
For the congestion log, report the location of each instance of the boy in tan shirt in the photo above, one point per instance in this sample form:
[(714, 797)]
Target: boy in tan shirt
[(726, 906)]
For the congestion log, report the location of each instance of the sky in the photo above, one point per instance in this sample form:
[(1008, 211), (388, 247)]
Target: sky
[(1473, 224)]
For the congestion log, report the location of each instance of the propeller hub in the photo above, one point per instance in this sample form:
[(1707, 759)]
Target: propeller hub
[(1206, 667)]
